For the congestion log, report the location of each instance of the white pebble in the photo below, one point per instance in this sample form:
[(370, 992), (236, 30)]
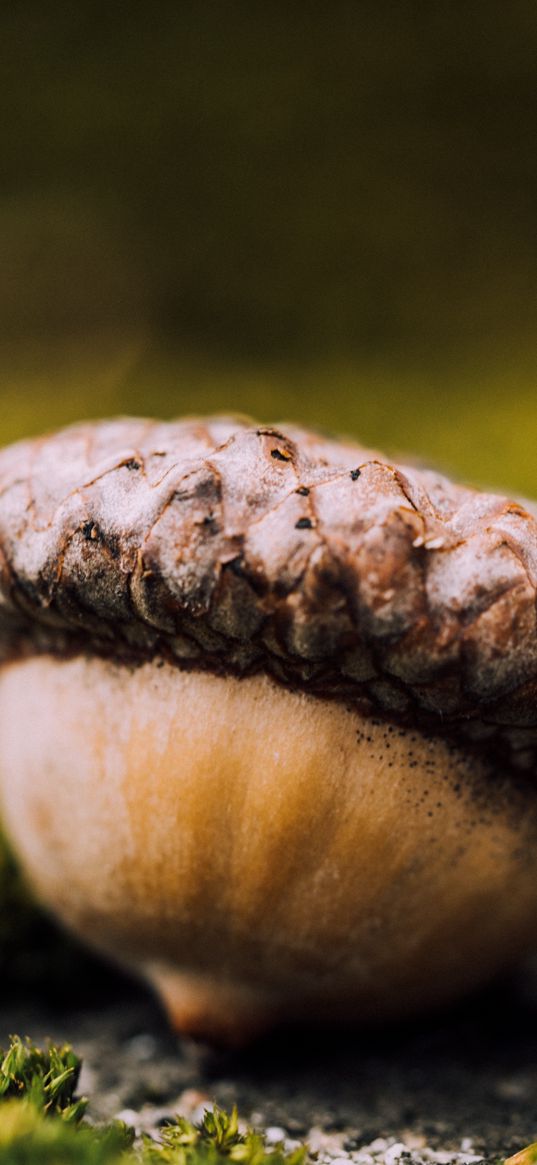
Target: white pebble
[(394, 1152), (198, 1113), (87, 1080), (130, 1117), (274, 1134)]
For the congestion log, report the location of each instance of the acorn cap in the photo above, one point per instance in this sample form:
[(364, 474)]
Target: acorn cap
[(226, 546)]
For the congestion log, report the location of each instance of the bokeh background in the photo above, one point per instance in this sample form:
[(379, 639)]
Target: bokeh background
[(318, 211)]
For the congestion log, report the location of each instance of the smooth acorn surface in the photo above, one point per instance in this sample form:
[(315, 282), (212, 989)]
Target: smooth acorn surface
[(260, 854)]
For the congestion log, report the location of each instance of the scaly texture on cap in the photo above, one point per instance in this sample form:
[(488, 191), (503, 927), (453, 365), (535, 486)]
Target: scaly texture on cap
[(223, 545)]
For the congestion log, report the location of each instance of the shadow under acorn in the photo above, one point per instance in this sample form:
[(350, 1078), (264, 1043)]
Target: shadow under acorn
[(40, 961)]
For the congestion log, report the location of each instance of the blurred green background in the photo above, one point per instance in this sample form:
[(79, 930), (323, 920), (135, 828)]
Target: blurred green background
[(317, 211)]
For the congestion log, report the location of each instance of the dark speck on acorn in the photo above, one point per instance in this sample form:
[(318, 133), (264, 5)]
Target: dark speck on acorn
[(90, 531)]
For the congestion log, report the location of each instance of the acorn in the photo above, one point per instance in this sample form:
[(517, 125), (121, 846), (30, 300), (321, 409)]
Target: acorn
[(268, 717)]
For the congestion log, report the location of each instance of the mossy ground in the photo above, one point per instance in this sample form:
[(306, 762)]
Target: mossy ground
[(433, 1088), (42, 1123)]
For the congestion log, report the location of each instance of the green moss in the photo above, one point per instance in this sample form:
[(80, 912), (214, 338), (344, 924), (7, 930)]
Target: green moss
[(47, 1079), (216, 1140), (28, 1138), (42, 1123), (41, 1118)]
